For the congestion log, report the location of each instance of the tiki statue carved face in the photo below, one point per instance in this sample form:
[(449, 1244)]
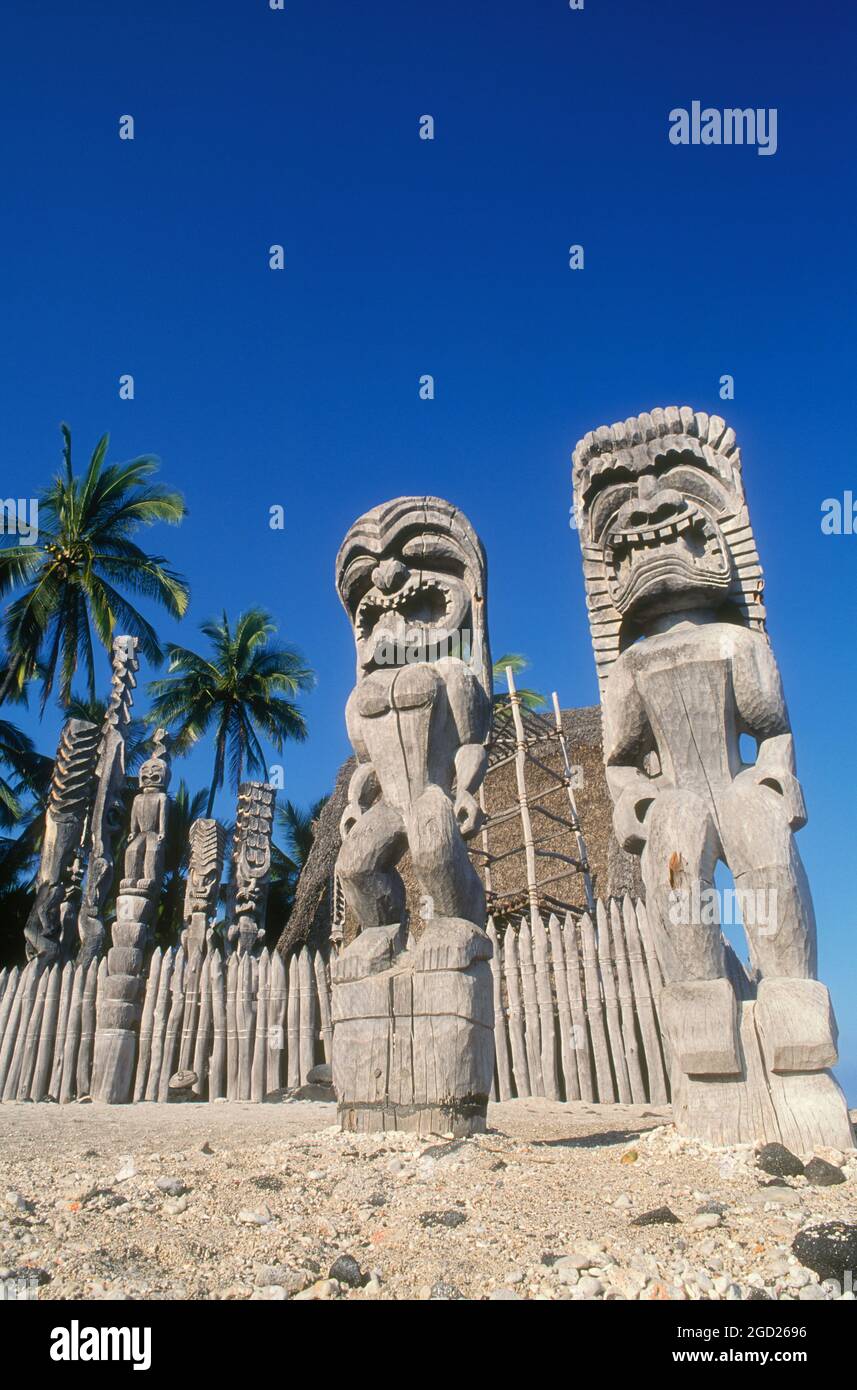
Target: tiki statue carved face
[(411, 576), (653, 511), (659, 505)]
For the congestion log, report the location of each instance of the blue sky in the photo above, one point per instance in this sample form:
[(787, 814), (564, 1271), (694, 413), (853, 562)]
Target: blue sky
[(448, 257)]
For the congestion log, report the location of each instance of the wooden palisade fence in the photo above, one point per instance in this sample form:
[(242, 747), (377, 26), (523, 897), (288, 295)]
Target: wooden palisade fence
[(575, 1018)]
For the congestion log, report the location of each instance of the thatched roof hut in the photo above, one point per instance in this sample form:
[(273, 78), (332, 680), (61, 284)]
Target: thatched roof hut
[(558, 882)]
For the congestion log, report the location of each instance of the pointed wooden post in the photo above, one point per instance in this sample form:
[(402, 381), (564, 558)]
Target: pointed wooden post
[(276, 1021), (66, 991), (323, 991), (293, 1026), (217, 1069), (645, 1007), (28, 999), (31, 1042), (159, 1024), (595, 1012), (174, 1023), (516, 1022), (96, 973), (232, 1027), (147, 1022), (582, 1050), (307, 1015), (501, 1037), (626, 1005), (47, 1035), (531, 1008), (566, 1027), (245, 1024), (544, 995), (258, 1074), (71, 1043), (202, 1042), (9, 1010), (611, 1006)]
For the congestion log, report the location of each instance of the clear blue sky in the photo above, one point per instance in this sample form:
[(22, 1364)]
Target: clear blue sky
[(449, 257)]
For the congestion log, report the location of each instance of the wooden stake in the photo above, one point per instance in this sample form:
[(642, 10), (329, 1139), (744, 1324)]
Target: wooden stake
[(531, 1008), (71, 1044), (217, 1071), (47, 1035), (307, 1015), (544, 994), (147, 1023), (174, 1023), (66, 992), (595, 1012), (516, 1023), (611, 1007), (566, 1026), (323, 992), (260, 1046), (159, 1024), (645, 1007), (276, 1022), (501, 1043), (626, 1004), (293, 1026), (202, 1044), (582, 1051)]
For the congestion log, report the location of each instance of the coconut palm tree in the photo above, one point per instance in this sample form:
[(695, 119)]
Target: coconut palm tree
[(295, 829), (530, 699), (240, 691), (22, 773), (70, 578)]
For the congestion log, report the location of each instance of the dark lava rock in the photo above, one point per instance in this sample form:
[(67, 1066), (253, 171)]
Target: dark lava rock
[(829, 1248), (756, 1296), (266, 1182), (823, 1174), (443, 1218), (659, 1216), (549, 1259), (321, 1075), (377, 1199), (311, 1092), (779, 1161), (347, 1271), (447, 1292)]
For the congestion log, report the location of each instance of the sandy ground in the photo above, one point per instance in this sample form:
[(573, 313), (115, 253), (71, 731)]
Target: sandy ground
[(260, 1201)]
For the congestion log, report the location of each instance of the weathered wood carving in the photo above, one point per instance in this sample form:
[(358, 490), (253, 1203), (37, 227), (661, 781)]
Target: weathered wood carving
[(674, 590), (51, 923), (251, 865), (136, 906), (413, 1027), (107, 807)]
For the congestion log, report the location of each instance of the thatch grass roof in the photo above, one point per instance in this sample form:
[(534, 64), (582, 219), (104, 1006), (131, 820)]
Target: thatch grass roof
[(612, 870)]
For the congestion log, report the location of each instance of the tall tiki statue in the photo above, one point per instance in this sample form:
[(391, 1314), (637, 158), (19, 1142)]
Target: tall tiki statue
[(674, 591), (136, 907), (106, 816), (413, 1044), (50, 926), (251, 866)]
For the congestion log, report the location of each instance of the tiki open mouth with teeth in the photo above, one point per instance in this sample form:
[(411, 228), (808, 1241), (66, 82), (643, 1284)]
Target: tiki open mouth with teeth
[(422, 601), (393, 628), (663, 556)]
